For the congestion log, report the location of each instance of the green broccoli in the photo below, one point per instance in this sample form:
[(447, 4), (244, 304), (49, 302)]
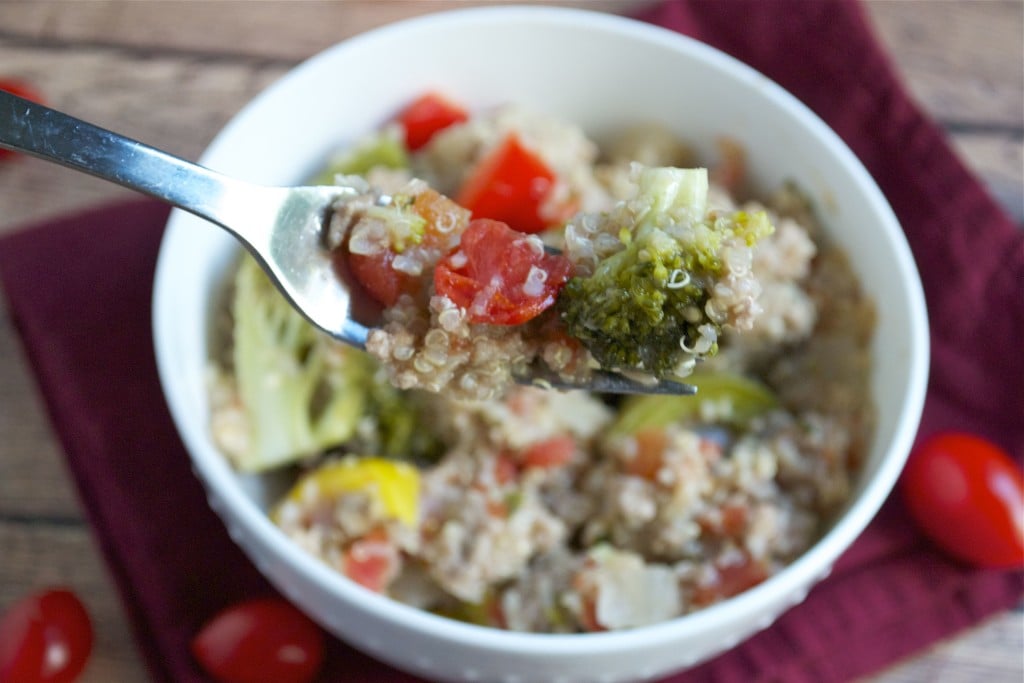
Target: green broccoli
[(382, 150), (645, 306), (733, 398), (295, 384), (304, 393)]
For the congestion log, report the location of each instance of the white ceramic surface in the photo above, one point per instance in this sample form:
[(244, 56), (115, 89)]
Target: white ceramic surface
[(600, 72)]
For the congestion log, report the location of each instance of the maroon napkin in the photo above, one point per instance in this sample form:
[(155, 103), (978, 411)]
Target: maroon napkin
[(79, 293)]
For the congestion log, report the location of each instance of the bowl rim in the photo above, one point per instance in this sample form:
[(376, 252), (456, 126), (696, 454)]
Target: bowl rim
[(812, 566)]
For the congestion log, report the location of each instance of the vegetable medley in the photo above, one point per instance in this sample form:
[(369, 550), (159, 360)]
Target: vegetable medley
[(642, 285), (420, 472)]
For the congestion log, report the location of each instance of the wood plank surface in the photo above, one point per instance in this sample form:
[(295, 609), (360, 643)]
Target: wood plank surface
[(172, 72)]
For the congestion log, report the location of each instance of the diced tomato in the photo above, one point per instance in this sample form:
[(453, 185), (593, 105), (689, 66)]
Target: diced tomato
[(730, 520), (586, 587), (505, 469), (731, 171), (733, 578), (428, 115), (734, 518), (499, 276), (512, 185), (553, 452), (495, 612), (497, 509), (446, 221), (378, 278), (21, 89), (650, 450), (370, 562)]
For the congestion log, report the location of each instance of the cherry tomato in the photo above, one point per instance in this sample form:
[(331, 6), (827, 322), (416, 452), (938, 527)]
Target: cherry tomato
[(21, 89), (45, 638), (967, 495), (512, 185), (499, 275), (426, 116), (264, 639)]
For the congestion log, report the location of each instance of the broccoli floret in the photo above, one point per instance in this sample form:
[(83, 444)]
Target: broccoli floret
[(645, 306), (399, 429), (297, 387), (304, 393), (382, 150)]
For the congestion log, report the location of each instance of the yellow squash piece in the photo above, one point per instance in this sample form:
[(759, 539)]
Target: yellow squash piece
[(395, 485), (746, 397)]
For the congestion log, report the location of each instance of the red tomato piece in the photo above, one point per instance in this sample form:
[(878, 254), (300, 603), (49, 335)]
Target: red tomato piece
[(499, 275), (505, 469), (511, 185), (45, 638), (375, 272), (371, 563), (264, 639), (21, 89), (553, 452), (967, 495), (731, 579), (378, 278), (650, 452), (426, 116)]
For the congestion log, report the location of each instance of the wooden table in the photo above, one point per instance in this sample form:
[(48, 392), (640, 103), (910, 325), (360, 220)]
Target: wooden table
[(172, 73)]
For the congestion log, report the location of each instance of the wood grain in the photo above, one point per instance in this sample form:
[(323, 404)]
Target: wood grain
[(172, 73)]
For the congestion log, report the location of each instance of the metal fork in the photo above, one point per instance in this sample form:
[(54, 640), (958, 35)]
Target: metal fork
[(281, 226)]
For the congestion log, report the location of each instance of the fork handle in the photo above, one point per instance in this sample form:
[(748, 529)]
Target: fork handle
[(35, 129)]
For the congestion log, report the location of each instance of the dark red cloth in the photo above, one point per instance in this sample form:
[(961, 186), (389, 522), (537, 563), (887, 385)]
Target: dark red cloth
[(79, 292)]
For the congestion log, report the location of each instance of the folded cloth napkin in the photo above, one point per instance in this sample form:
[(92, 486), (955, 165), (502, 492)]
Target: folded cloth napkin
[(79, 294)]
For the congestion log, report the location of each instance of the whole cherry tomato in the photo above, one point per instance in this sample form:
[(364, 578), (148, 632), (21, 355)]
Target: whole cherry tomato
[(967, 495), (21, 89), (265, 639), (45, 638)]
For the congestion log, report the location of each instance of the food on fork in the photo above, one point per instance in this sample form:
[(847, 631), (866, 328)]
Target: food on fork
[(474, 295)]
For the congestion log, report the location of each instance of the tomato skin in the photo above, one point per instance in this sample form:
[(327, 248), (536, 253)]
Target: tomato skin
[(265, 639), (24, 90), (45, 638), (426, 116), (486, 274), (967, 495), (511, 185)]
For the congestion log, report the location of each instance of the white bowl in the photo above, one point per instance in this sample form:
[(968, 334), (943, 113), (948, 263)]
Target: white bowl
[(601, 72)]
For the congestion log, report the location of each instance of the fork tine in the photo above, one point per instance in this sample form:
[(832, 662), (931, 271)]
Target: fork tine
[(603, 382)]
